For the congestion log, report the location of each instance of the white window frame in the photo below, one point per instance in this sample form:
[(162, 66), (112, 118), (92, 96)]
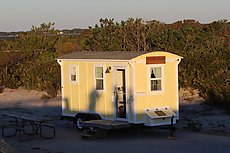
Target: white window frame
[(71, 66), (162, 78), (95, 78)]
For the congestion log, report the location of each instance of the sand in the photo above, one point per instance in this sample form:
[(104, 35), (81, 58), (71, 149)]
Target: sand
[(194, 116)]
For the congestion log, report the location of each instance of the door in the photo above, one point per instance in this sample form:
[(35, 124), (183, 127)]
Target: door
[(120, 93)]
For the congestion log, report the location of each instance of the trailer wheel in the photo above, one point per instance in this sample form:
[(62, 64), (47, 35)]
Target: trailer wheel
[(79, 118), (78, 122)]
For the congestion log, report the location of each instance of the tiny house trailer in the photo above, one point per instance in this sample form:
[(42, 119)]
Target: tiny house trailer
[(130, 86)]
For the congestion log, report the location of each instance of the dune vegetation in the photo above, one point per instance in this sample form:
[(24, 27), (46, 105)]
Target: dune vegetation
[(29, 60)]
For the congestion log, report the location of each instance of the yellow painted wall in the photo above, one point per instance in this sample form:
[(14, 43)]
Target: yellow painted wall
[(157, 53), (171, 81), (130, 98), (70, 91), (109, 105), (82, 88), (141, 77), (82, 96), (145, 98)]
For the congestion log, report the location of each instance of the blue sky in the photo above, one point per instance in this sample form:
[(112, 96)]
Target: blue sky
[(18, 15)]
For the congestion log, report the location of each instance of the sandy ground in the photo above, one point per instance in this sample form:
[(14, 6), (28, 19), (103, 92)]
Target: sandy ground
[(201, 129), (197, 116)]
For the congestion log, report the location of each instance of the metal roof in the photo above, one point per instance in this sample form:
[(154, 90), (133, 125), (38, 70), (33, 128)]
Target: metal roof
[(110, 55)]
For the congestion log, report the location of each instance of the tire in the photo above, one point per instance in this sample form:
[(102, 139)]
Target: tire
[(78, 120)]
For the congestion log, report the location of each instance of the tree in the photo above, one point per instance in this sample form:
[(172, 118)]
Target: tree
[(37, 68), (106, 37)]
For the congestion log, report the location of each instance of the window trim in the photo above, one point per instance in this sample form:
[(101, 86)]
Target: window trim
[(71, 66), (95, 79), (162, 78)]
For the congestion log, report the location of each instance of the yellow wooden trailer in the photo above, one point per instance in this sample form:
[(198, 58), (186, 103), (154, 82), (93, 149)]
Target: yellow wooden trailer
[(131, 86)]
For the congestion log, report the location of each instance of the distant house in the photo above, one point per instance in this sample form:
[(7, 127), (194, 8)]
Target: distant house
[(136, 87)]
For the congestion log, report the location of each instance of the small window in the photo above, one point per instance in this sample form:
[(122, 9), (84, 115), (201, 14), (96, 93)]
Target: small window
[(99, 78), (156, 78), (73, 73)]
